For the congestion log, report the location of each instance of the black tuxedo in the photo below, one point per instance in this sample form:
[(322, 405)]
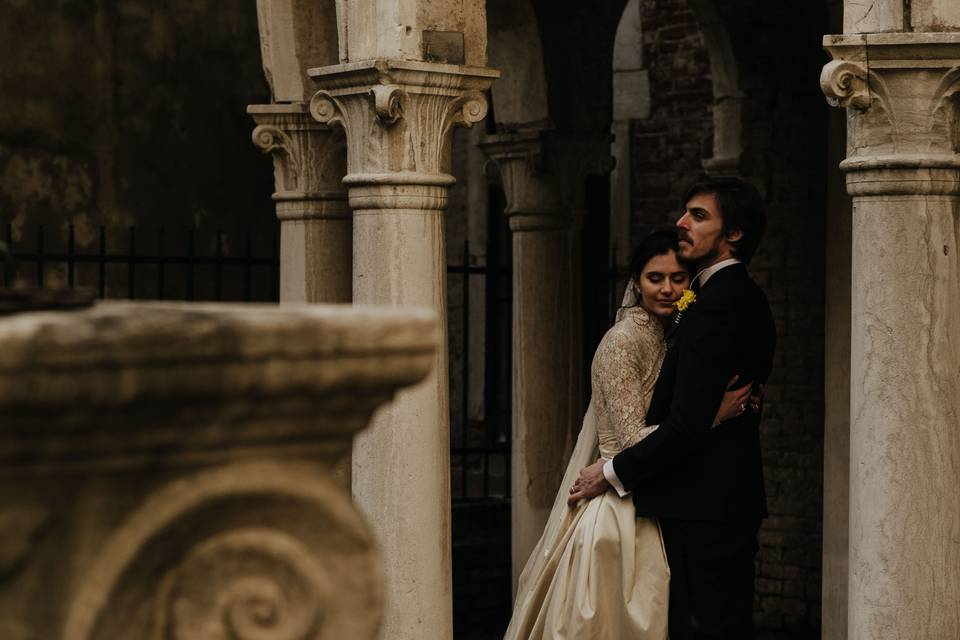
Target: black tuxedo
[(706, 485)]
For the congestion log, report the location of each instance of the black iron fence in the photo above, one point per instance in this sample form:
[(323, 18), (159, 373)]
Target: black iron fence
[(190, 264), (480, 444), (119, 263)]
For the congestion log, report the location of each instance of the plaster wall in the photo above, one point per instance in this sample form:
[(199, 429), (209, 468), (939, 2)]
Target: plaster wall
[(130, 112)]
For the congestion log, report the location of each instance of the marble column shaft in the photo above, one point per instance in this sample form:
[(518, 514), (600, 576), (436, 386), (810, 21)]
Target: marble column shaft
[(542, 176), (311, 202), (398, 116), (903, 171)]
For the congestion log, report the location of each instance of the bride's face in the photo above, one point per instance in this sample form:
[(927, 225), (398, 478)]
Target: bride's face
[(662, 281)]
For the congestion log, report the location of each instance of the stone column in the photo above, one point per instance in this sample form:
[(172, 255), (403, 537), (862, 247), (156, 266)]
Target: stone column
[(309, 161), (542, 427), (398, 116), (902, 95), (542, 175)]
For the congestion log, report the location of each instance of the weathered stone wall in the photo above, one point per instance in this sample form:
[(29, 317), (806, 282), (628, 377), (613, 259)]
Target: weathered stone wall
[(784, 141), (130, 113)]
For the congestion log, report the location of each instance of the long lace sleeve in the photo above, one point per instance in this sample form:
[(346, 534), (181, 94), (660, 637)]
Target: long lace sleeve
[(624, 374)]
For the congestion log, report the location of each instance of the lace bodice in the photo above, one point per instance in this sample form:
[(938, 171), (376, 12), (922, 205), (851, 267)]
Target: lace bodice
[(623, 376)]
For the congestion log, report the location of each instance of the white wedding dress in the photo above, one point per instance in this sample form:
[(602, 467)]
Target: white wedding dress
[(599, 572)]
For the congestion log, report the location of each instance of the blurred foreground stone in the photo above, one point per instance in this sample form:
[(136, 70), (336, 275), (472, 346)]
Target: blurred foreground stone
[(165, 469)]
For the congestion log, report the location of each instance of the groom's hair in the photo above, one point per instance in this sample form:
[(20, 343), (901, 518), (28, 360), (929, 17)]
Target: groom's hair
[(741, 207)]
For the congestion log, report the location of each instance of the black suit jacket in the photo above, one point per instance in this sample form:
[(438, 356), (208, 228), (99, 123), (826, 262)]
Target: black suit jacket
[(686, 470)]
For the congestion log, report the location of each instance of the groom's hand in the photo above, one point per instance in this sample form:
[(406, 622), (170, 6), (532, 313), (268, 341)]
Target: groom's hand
[(590, 484)]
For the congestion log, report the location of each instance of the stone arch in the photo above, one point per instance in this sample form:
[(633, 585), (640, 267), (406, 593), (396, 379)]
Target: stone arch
[(632, 93), (520, 95), (296, 35), (727, 97), (631, 102)]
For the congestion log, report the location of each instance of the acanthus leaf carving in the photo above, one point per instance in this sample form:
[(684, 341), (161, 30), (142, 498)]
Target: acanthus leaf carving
[(844, 83), (945, 109)]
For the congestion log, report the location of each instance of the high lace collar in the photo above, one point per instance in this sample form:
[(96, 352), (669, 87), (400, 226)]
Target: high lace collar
[(640, 316)]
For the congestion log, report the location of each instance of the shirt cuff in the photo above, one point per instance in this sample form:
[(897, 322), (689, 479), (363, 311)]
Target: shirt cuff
[(612, 478)]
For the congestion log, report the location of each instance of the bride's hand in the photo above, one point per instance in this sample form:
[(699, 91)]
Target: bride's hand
[(734, 402)]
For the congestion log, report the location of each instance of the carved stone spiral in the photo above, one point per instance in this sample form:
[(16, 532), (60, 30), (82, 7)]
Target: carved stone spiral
[(323, 108), (270, 138), (474, 108), (844, 83), (388, 102), (249, 584)]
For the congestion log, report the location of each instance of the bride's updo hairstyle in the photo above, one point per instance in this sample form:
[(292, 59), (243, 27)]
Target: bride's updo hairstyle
[(658, 243)]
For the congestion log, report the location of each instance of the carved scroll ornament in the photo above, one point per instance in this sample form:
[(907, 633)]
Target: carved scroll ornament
[(388, 103), (248, 584), (274, 140), (256, 551), (844, 83)]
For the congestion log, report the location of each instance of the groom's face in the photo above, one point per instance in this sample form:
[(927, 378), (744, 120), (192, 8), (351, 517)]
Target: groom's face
[(701, 229)]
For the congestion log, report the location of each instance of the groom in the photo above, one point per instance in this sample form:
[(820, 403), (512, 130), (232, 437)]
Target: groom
[(705, 485)]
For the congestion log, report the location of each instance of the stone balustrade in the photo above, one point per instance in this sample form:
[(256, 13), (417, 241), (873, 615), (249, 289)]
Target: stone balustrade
[(165, 469)]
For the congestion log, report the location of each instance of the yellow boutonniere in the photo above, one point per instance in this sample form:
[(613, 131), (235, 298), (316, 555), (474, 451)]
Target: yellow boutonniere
[(687, 298)]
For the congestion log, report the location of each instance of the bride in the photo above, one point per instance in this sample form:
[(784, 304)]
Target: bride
[(599, 572)]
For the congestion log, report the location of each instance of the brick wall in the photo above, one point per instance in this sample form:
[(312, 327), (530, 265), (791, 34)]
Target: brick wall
[(784, 139), (785, 136), (669, 146)]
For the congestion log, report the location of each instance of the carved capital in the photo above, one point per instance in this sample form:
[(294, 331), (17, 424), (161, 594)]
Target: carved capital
[(904, 90), (404, 159), (844, 83), (309, 161), (533, 197), (574, 157), (544, 172)]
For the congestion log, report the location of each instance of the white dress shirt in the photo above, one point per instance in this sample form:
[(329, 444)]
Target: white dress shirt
[(703, 275)]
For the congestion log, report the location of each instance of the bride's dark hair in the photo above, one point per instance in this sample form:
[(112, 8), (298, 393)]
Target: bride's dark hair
[(661, 241)]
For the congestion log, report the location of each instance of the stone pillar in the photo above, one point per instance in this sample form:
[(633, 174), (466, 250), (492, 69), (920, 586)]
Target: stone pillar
[(165, 468), (902, 95), (398, 116), (543, 175), (478, 221), (315, 228)]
